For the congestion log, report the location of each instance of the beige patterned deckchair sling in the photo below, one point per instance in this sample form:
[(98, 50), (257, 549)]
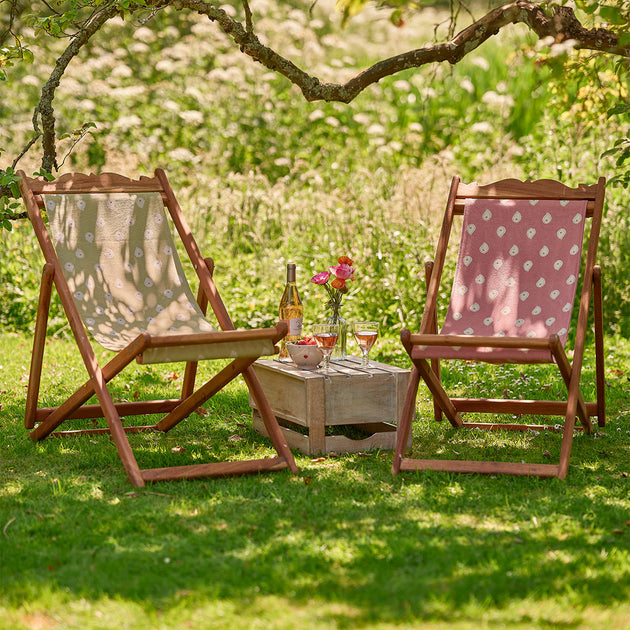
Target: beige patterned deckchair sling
[(511, 301), (110, 253)]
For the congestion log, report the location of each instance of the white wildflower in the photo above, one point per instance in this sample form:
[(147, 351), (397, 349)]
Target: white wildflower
[(130, 91), (297, 16), (482, 127), (144, 34), (139, 48), (402, 85), (564, 47), (192, 117), (166, 65), (361, 118), (497, 101), (316, 115), (481, 62), (121, 70), (86, 104), (127, 122), (229, 9), (467, 85), (170, 105), (182, 154), (376, 130), (332, 121)]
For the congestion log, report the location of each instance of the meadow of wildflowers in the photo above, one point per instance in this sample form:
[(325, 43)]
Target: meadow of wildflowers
[(267, 177)]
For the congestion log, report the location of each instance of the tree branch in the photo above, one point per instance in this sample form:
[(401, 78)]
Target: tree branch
[(561, 27), (44, 109)]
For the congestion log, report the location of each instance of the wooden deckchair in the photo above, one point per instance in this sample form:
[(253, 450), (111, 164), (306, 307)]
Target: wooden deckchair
[(511, 302), (110, 254)]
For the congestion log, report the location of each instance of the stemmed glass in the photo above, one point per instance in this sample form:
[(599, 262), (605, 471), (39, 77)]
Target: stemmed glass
[(365, 334), (325, 336)]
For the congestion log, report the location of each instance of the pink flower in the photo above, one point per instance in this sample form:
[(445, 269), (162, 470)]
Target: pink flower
[(342, 271), (321, 278)]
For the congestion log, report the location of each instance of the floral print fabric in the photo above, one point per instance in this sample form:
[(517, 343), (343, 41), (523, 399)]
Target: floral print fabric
[(120, 263), (516, 275)]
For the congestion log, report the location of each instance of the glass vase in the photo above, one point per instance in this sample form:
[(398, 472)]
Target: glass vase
[(340, 348)]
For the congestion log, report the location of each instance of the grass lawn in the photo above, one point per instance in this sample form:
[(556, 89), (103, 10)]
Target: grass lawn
[(343, 544)]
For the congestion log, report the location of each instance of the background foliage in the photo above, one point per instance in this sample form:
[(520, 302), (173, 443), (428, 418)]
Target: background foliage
[(266, 177)]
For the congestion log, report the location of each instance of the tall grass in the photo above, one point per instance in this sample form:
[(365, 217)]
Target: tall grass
[(265, 177)]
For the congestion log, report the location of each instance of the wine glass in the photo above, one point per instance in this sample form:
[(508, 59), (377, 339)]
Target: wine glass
[(365, 334), (325, 336)]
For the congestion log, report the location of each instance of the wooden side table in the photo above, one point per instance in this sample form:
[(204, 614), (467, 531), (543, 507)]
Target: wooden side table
[(307, 402)]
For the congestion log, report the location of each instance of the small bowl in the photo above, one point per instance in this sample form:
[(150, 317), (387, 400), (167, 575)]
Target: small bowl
[(305, 357)]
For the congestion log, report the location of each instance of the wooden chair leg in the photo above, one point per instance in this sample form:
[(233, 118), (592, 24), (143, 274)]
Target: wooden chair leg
[(269, 420), (39, 342), (435, 363), (566, 371), (116, 430), (404, 422), (190, 372), (439, 395), (215, 384), (567, 441), (87, 390), (599, 345)]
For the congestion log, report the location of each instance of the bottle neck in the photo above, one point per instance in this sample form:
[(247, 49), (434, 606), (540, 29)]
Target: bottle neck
[(291, 273)]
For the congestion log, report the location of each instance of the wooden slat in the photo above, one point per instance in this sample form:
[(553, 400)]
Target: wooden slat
[(220, 469), (479, 341), (512, 406), (124, 409), (482, 468), (599, 345), (83, 183), (507, 426), (274, 333)]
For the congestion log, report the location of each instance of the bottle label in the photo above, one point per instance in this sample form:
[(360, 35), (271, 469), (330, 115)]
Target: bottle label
[(295, 327)]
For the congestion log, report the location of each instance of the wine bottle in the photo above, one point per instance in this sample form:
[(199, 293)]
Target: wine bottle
[(291, 311)]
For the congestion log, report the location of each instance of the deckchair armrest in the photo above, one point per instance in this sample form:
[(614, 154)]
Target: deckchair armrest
[(473, 341), (273, 333)]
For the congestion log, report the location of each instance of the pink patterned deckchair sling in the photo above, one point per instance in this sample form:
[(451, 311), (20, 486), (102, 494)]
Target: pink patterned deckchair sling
[(512, 300), (110, 253)]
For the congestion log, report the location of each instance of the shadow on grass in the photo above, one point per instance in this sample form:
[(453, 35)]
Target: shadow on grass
[(343, 539), (422, 546)]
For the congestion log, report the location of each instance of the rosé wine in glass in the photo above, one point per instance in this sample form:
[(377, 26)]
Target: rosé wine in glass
[(325, 336), (365, 334)]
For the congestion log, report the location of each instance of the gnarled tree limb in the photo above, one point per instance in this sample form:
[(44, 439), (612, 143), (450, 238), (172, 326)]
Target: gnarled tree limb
[(562, 26)]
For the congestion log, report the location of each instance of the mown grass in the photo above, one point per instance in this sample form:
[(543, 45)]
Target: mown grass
[(265, 178), (342, 544)]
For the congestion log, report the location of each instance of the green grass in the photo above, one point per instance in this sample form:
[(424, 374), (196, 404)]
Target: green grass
[(265, 178), (342, 544)]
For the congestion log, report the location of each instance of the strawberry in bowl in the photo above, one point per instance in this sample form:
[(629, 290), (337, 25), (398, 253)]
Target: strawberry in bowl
[(305, 353)]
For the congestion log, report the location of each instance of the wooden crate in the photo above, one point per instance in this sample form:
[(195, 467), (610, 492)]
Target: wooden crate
[(306, 403)]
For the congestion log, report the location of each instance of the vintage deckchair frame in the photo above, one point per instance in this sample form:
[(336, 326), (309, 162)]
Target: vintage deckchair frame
[(429, 370), (44, 421)]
